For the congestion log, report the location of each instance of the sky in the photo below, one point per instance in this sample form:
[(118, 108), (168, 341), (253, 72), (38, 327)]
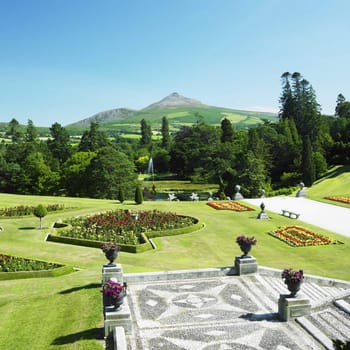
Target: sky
[(66, 60)]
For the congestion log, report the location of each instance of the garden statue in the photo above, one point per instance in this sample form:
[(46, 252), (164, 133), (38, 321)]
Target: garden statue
[(301, 192), (237, 195)]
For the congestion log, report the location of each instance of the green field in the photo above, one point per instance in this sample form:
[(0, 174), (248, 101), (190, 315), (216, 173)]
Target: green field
[(65, 312)]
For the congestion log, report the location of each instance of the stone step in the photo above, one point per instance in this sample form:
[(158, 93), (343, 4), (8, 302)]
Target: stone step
[(315, 293), (329, 324)]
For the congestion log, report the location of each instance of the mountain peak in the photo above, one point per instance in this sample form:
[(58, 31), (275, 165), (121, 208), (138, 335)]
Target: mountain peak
[(174, 100)]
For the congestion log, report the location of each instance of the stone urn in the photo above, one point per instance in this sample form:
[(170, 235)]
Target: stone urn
[(111, 255), (245, 248), (293, 287)]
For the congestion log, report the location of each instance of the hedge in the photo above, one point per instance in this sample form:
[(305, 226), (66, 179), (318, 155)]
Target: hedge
[(60, 271), (129, 248)]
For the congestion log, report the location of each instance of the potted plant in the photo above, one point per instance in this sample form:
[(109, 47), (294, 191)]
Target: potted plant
[(245, 243), (293, 279), (111, 251), (114, 293)]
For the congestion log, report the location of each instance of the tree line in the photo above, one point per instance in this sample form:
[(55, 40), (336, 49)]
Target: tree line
[(299, 147)]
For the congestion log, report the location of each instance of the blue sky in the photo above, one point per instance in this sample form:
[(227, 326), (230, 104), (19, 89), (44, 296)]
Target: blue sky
[(65, 60)]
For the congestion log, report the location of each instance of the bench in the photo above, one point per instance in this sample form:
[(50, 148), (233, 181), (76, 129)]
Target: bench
[(290, 214)]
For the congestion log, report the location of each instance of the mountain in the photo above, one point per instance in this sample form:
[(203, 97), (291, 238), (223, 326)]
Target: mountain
[(106, 116), (174, 100), (179, 110)]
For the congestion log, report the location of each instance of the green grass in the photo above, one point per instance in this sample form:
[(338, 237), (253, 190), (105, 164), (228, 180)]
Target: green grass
[(66, 312), (335, 183)]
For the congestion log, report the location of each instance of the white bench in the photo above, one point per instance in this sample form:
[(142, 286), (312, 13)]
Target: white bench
[(290, 214)]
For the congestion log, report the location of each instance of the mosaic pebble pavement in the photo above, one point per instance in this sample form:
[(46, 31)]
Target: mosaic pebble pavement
[(221, 313)]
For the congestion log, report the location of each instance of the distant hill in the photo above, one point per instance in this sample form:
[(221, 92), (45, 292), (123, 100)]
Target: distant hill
[(179, 110)]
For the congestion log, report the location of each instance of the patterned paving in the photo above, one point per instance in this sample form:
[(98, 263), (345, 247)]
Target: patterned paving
[(229, 312)]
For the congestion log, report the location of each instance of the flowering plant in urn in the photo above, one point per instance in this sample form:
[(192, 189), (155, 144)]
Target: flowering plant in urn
[(245, 243), (293, 280), (114, 292)]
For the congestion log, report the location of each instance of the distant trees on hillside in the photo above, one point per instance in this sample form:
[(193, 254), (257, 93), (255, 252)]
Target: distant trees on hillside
[(299, 147)]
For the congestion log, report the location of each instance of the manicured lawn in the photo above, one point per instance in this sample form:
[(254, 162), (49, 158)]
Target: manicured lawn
[(65, 312)]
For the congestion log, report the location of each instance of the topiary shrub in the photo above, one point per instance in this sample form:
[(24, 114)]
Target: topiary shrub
[(138, 195)]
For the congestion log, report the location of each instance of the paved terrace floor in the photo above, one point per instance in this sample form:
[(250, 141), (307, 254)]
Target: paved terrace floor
[(184, 310), (327, 216)]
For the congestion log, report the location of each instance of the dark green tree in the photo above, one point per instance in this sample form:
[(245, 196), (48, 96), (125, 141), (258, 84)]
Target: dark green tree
[(165, 134), (108, 171), (75, 177), (252, 175), (40, 212), (287, 106), (227, 131), (146, 135), (308, 165), (14, 131), (342, 108), (121, 196), (93, 139), (59, 144), (31, 133)]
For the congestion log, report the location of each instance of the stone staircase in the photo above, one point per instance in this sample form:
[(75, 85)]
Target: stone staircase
[(330, 309)]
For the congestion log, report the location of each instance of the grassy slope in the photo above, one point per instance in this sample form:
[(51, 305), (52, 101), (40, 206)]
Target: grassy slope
[(65, 312), (178, 116)]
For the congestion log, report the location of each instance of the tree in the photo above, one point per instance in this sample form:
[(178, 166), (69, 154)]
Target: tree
[(121, 196), (40, 179), (93, 139), (74, 173), (252, 175), (342, 109), (31, 133), (165, 134), (40, 212), (226, 131), (286, 100), (14, 130), (308, 165), (59, 144), (146, 135), (138, 195), (109, 171)]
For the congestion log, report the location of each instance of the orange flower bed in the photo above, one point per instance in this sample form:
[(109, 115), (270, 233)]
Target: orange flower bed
[(345, 200), (232, 205), (297, 236)]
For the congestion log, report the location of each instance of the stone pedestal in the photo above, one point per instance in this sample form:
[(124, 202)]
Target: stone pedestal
[(246, 265), (112, 271), (289, 308), (262, 215), (119, 318)]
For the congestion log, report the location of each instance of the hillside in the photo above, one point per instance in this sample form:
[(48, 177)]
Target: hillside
[(179, 111)]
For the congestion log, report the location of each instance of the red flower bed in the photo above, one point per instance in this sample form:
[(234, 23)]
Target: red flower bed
[(232, 205), (345, 200), (297, 236)]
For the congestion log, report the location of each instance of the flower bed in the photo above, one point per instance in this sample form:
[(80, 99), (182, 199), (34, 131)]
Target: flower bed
[(297, 236), (124, 227), (340, 199), (10, 263), (232, 205)]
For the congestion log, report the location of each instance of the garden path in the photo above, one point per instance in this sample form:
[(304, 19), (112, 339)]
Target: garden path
[(327, 216)]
